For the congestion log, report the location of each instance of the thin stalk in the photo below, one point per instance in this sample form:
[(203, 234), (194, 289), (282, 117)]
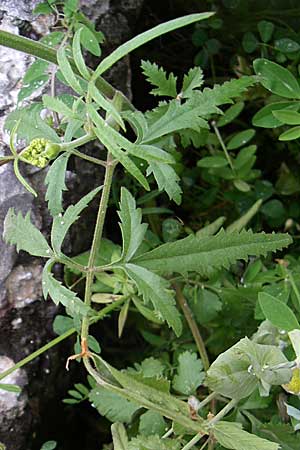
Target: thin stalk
[(168, 433), (193, 326), (46, 53), (223, 412), (77, 142), (61, 338), (224, 148), (91, 159), (110, 167), (207, 399), (194, 441)]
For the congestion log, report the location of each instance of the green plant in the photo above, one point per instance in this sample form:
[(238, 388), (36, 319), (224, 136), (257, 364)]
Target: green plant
[(145, 275)]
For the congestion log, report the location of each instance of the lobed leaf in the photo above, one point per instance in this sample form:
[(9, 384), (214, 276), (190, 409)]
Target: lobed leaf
[(62, 222), (166, 85), (19, 230)]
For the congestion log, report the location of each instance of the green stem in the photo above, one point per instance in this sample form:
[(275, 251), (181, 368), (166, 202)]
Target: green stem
[(46, 53), (110, 167), (62, 337), (88, 158), (194, 441), (193, 327), (220, 139), (77, 142), (223, 412)]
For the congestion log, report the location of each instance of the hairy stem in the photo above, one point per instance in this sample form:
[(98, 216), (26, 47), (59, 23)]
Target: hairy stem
[(193, 326), (110, 167), (193, 441), (46, 53), (223, 412)]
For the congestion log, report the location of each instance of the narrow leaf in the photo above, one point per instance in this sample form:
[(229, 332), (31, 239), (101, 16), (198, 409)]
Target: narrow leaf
[(67, 71), (106, 105), (167, 180), (60, 294), (105, 135), (20, 231), (133, 230), (78, 57), (57, 105), (10, 388), (145, 37), (62, 222), (210, 253), (55, 180), (119, 436), (156, 290)]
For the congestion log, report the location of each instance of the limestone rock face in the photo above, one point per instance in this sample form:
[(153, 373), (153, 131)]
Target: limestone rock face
[(25, 317)]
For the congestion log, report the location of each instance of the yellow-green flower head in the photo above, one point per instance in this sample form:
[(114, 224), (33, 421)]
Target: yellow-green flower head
[(293, 387), (39, 152)]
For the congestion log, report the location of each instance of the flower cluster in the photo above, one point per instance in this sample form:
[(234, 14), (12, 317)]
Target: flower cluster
[(39, 152)]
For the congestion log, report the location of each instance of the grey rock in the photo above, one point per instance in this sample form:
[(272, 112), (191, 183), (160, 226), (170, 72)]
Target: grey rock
[(21, 9), (24, 285)]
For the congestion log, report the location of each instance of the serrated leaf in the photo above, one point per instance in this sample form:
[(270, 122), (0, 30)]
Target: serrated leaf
[(57, 105), (67, 71), (112, 406), (119, 436), (167, 180), (276, 78), (107, 137), (210, 253), (189, 375), (133, 230), (106, 105), (19, 231), (173, 117), (231, 435), (191, 81), (63, 222), (31, 125), (156, 290), (55, 180), (277, 312), (60, 294), (166, 85)]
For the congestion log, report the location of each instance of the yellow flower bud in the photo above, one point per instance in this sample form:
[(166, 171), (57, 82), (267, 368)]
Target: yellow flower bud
[(39, 152), (293, 387)]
